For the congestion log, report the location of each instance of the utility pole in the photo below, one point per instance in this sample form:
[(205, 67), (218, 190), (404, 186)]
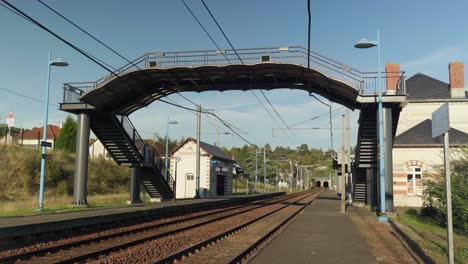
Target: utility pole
[(264, 169), (348, 130), (343, 166), (197, 187), (256, 168)]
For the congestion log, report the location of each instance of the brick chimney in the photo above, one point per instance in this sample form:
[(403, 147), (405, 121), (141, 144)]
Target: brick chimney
[(392, 76), (457, 79)]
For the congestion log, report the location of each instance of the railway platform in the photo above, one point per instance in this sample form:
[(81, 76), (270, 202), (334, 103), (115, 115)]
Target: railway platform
[(30, 227), (320, 234)]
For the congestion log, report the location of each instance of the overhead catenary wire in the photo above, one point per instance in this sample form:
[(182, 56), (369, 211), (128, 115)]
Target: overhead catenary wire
[(123, 57), (25, 96), (103, 65), (210, 113), (241, 61)]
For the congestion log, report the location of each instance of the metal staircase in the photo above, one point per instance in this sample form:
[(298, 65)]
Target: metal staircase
[(367, 147), (127, 148), (359, 192)]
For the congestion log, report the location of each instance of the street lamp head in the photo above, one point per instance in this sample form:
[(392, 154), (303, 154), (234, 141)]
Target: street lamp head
[(173, 122), (364, 44), (58, 62)]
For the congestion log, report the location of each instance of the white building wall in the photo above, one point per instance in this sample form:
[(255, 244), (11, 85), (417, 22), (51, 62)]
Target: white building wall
[(186, 165), (97, 149), (415, 113)]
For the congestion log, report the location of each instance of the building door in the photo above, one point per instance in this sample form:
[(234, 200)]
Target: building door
[(414, 180), (220, 184), (189, 186)]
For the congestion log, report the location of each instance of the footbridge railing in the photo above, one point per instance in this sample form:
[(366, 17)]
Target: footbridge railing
[(365, 82)]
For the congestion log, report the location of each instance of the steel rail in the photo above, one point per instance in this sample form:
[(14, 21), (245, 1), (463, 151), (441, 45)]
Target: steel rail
[(172, 258), (56, 248)]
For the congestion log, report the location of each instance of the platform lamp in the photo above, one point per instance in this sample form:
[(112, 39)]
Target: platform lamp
[(173, 122), (44, 144), (364, 44)]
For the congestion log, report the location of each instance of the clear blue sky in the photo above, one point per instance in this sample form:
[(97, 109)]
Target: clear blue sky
[(423, 36)]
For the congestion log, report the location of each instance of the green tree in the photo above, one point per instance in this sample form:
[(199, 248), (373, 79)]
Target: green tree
[(67, 138)]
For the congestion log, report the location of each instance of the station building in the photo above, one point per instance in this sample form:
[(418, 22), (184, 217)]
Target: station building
[(216, 170), (416, 155)]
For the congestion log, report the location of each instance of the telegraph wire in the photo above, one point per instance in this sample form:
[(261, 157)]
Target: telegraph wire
[(123, 57), (210, 113), (94, 59), (25, 96), (35, 22), (240, 59), (204, 29)]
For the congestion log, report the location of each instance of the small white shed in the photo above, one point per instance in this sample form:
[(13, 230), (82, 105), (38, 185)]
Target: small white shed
[(215, 170)]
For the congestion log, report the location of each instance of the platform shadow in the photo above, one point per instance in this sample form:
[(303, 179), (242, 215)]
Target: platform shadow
[(413, 245)]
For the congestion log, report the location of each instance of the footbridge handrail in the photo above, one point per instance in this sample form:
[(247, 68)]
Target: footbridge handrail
[(364, 82)]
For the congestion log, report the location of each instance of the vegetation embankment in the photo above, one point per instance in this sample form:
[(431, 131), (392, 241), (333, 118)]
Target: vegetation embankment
[(20, 173)]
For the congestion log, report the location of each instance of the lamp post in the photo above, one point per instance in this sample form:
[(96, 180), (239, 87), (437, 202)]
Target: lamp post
[(173, 122), (58, 63), (364, 44)]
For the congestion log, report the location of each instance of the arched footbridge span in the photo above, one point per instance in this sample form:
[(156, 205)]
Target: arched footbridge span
[(104, 105)]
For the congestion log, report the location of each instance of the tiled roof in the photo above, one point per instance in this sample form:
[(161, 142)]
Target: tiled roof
[(421, 86), (421, 135), (210, 149), (35, 133)]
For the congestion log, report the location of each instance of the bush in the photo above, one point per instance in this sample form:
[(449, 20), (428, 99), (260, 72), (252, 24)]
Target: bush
[(434, 199)]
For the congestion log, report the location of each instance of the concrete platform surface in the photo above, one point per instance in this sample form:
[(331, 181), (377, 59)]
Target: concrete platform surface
[(319, 234), (28, 225)]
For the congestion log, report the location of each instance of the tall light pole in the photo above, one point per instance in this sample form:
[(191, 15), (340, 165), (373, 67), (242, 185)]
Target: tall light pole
[(364, 44), (173, 122), (58, 63)]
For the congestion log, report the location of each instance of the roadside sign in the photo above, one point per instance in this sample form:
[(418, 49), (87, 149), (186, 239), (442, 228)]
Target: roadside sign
[(10, 120), (441, 126), (46, 144), (440, 120)]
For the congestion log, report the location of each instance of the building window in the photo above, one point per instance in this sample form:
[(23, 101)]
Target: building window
[(189, 176), (414, 180)]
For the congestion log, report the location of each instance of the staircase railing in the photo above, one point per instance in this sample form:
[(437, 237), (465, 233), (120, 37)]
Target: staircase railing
[(146, 151)]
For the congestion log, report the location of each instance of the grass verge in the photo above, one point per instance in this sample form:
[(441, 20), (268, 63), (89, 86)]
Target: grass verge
[(433, 241), (54, 204)]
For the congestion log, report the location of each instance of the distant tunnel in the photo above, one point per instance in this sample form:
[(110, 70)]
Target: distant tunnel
[(325, 184), (318, 184)]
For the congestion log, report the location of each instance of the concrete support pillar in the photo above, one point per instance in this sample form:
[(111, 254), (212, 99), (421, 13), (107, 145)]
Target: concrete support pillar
[(135, 186), (81, 160), (388, 149)]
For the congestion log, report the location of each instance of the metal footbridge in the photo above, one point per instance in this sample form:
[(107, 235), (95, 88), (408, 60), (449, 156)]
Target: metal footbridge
[(159, 74)]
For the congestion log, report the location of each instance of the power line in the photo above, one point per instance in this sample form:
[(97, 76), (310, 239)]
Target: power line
[(92, 58), (240, 59), (35, 22), (315, 117), (204, 29), (206, 112), (25, 96), (120, 55)]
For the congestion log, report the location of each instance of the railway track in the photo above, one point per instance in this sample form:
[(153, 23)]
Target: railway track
[(100, 244), (240, 243)]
